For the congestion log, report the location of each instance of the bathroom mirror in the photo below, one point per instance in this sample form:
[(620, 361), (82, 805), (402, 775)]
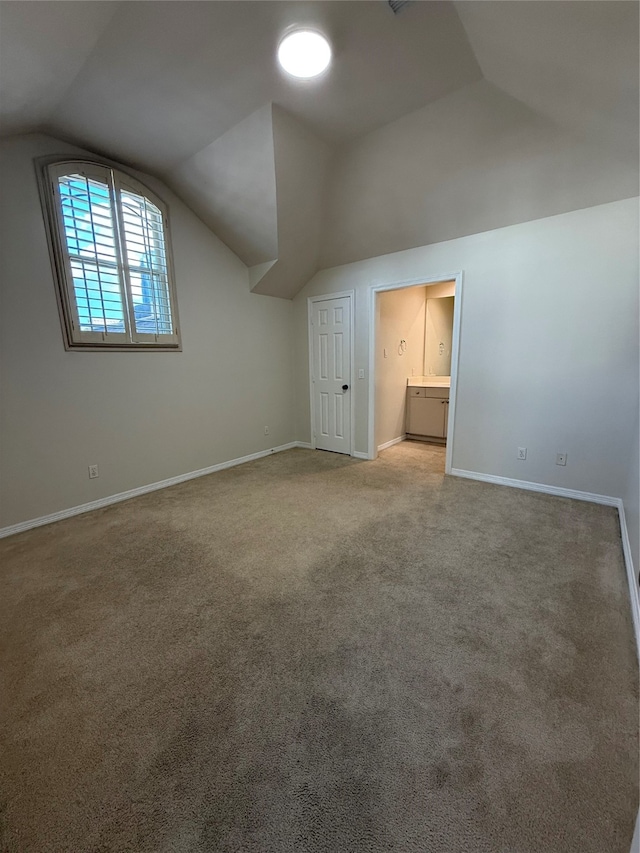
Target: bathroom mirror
[(438, 336)]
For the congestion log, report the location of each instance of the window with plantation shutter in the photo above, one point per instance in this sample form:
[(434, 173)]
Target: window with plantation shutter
[(110, 245)]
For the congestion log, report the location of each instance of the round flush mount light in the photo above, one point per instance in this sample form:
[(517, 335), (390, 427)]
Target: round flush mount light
[(304, 53)]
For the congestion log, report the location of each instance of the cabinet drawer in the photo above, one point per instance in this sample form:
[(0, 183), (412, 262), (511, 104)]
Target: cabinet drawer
[(439, 393)]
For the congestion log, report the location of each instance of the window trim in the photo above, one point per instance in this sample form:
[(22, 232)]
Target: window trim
[(47, 169)]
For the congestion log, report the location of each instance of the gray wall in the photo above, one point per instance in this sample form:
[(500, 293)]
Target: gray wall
[(142, 417), (548, 346)]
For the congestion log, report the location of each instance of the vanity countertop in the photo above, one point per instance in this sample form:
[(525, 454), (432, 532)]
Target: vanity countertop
[(429, 382)]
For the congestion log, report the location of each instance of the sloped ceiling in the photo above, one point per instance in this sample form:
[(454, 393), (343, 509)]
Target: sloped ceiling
[(576, 63), (36, 66), (474, 161), (439, 121)]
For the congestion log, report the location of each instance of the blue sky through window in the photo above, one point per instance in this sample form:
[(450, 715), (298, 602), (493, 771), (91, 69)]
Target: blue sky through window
[(89, 231)]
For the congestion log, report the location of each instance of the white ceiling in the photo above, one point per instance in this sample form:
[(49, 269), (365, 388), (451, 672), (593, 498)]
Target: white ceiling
[(574, 62), (154, 84), (37, 66)]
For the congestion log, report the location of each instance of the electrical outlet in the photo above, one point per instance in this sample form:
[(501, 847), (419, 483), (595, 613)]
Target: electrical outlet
[(93, 472), (266, 430), (522, 453), (561, 458)]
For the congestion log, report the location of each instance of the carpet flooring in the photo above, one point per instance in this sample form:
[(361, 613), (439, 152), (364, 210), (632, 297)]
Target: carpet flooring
[(314, 654)]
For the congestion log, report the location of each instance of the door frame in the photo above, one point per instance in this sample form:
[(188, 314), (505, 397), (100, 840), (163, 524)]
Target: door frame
[(351, 295), (372, 448)]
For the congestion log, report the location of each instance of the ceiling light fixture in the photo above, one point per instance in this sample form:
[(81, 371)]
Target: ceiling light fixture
[(304, 53)]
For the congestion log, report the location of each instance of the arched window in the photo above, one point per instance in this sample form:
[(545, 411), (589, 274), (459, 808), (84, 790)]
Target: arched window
[(109, 238)]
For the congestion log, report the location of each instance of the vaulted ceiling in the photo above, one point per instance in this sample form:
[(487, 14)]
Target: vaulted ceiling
[(292, 174)]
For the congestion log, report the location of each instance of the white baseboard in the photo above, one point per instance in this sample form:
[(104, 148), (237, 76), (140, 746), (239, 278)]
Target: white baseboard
[(632, 575), (537, 487), (391, 443), (308, 446), (635, 841), (142, 490), (606, 500)]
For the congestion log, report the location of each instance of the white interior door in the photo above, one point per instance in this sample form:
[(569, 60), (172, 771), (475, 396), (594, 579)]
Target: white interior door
[(331, 374)]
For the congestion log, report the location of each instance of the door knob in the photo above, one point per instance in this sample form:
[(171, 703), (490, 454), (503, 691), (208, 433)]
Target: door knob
[(345, 387)]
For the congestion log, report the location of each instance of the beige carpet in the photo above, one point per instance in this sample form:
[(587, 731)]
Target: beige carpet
[(312, 654)]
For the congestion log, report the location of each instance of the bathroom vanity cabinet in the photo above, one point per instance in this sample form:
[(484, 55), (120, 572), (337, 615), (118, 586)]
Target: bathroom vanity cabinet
[(427, 412)]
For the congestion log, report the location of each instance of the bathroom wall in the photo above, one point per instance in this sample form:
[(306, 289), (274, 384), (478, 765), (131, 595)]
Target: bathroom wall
[(400, 316)]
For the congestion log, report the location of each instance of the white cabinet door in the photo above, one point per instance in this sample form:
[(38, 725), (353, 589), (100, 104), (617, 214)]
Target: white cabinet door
[(426, 416)]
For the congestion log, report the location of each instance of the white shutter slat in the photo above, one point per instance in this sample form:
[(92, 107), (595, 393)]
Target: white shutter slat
[(144, 242)]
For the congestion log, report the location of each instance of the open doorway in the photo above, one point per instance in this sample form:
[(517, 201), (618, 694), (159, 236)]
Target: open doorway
[(414, 339)]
